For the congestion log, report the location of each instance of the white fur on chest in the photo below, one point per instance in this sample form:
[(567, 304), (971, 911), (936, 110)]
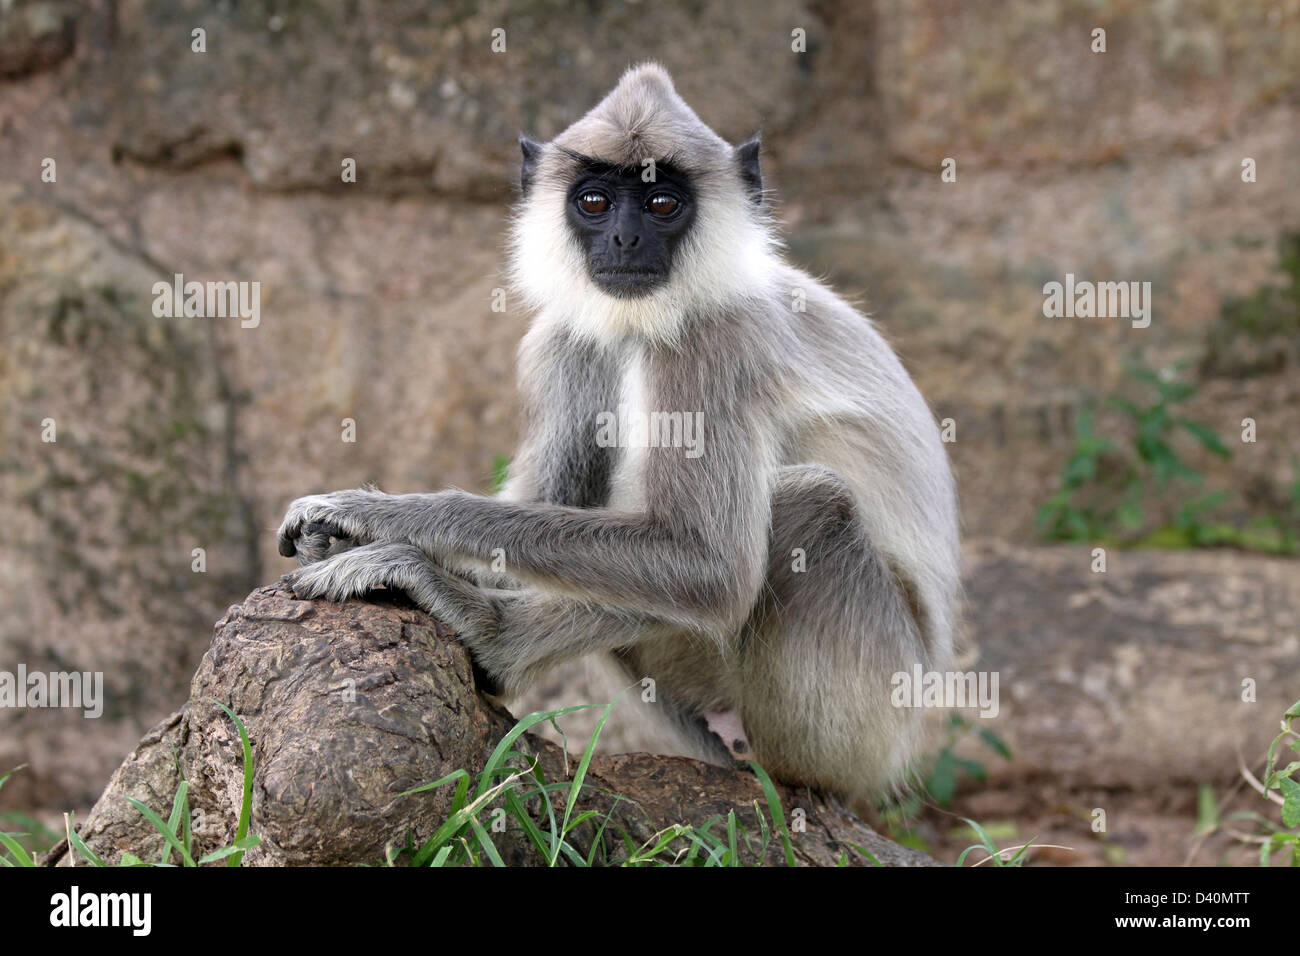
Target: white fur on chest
[(627, 490)]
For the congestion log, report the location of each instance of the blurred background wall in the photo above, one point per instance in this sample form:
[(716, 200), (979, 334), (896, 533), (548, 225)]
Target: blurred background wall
[(376, 296)]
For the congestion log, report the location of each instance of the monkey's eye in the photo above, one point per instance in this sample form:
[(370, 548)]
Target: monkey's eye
[(661, 204), (593, 203)]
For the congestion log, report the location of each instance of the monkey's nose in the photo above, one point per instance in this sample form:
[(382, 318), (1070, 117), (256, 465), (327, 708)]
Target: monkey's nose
[(626, 242)]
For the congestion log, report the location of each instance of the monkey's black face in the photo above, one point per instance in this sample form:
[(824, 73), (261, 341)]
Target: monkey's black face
[(628, 228)]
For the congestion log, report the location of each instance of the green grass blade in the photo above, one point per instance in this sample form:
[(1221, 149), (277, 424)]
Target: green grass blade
[(10, 773), (246, 805), (14, 847), (579, 820), (765, 832), (732, 847), (441, 782), (440, 858), (598, 841), (530, 828), (974, 846), (485, 841), (581, 773), (444, 832), (462, 818), (75, 840), (161, 827), (867, 853), (498, 756), (247, 843), (179, 804), (778, 815), (1017, 860)]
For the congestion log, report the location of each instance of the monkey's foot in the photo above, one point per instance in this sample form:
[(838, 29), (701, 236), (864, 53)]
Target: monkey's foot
[(726, 724), (364, 568)]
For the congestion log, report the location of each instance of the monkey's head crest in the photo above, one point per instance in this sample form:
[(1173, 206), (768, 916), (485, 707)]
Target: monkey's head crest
[(644, 118), (641, 132)]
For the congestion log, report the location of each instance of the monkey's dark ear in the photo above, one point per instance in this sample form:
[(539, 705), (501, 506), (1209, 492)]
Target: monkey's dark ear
[(747, 160), (532, 155)]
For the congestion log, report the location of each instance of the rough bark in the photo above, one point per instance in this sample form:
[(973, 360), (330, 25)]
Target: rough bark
[(348, 706)]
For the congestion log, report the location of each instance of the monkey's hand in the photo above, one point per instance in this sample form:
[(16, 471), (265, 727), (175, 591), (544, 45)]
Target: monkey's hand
[(403, 567), (311, 523)]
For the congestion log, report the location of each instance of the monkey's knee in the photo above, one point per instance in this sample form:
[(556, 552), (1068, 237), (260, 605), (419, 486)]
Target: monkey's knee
[(813, 511), (814, 491)]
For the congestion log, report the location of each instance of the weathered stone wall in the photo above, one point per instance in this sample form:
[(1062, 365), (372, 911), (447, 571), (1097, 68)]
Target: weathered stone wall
[(376, 296)]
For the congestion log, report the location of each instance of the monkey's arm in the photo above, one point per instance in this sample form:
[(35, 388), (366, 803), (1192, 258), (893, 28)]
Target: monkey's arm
[(514, 635), (630, 561), (695, 554)]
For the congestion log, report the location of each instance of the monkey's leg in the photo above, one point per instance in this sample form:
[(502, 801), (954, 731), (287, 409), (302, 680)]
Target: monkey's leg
[(704, 740), (833, 625), (538, 630)]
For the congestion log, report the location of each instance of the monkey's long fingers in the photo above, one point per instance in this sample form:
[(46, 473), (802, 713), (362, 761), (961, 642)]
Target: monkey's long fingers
[(315, 515), (310, 548)]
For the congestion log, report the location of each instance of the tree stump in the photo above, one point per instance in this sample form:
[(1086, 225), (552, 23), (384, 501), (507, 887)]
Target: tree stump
[(348, 705)]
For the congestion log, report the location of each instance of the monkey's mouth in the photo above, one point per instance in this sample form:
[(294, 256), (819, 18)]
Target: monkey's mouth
[(627, 282)]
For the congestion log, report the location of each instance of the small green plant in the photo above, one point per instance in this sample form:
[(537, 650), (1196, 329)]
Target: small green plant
[(34, 837), (1135, 493), (1277, 784), (1067, 516), (15, 854), (1259, 334), (1282, 779), (1011, 856), (937, 779)]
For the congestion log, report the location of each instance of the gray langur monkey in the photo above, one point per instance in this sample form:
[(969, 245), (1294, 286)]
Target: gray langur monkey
[(772, 575)]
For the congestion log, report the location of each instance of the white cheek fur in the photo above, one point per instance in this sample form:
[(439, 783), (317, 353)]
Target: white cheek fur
[(729, 254)]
